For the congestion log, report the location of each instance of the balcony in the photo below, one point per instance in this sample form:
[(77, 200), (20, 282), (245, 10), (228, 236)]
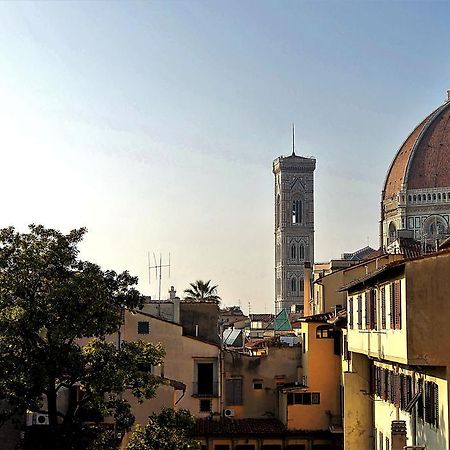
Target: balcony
[(205, 390)]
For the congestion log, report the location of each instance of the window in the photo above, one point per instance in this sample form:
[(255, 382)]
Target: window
[(367, 309), (420, 402), (432, 403), (359, 312), (324, 332), (303, 398), (409, 198), (257, 385), (429, 197), (439, 197), (302, 251), (233, 391), (293, 251), (381, 441), (395, 305), (434, 196), (143, 327), (277, 212), (205, 405), (383, 308), (300, 284), (245, 447), (221, 447), (373, 309), (294, 284), (296, 447), (414, 198), (205, 385), (297, 211), (350, 312)]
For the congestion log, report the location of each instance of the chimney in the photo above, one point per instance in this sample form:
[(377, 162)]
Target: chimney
[(448, 94), (398, 434)]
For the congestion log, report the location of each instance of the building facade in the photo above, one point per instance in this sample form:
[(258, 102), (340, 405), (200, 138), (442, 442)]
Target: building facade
[(294, 227), (415, 200), (400, 355)]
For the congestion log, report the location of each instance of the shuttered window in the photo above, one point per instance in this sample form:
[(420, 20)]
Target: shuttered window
[(373, 309), (392, 305), (350, 312), (359, 312), (233, 391), (420, 402), (432, 403), (383, 308), (398, 306), (368, 310)]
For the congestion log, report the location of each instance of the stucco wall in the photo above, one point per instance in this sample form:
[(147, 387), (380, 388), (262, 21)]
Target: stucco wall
[(358, 406), (428, 284), (280, 365)]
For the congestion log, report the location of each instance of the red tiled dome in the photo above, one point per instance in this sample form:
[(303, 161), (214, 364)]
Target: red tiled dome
[(423, 161)]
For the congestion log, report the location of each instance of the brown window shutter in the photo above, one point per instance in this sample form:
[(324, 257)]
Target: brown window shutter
[(382, 384), (420, 401), (373, 309), (388, 384), (383, 308), (402, 391), (398, 390), (398, 306), (350, 312), (392, 305), (368, 309), (359, 312), (436, 405)]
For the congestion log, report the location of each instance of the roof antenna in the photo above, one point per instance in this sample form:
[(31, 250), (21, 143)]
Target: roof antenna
[(293, 140)]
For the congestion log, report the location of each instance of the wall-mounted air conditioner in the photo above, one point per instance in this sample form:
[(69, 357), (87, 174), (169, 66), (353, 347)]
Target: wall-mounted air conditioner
[(228, 412), (35, 418)]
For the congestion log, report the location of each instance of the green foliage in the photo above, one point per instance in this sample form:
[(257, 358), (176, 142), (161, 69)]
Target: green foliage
[(49, 300), (201, 290), (168, 430)]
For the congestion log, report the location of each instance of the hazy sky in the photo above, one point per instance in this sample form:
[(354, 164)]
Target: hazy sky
[(155, 124)]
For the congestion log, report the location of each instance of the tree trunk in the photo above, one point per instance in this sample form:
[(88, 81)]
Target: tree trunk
[(51, 404)]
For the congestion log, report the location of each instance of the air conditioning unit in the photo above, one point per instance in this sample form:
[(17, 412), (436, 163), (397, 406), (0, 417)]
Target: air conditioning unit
[(34, 418), (228, 412)]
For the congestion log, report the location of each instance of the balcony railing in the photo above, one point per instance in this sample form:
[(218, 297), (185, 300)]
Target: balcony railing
[(205, 389)]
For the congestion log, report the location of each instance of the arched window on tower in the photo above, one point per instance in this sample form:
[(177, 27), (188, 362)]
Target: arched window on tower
[(302, 251), (392, 232), (293, 252), (297, 211), (294, 285), (300, 285), (277, 212)]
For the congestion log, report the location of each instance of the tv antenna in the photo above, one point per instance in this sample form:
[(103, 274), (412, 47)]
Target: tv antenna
[(158, 270)]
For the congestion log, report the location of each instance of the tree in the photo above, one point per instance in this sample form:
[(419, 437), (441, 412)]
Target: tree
[(49, 301), (168, 430), (201, 290)]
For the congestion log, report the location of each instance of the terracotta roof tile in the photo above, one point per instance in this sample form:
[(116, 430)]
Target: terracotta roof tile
[(423, 161)]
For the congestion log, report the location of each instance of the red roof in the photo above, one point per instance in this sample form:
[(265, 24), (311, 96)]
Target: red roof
[(423, 160)]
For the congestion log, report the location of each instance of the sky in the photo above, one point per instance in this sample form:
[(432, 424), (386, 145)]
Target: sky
[(155, 124)]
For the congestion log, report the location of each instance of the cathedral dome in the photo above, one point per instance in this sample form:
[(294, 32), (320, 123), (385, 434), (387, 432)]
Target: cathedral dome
[(423, 160)]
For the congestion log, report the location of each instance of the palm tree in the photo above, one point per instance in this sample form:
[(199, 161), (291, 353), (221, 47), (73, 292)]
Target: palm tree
[(201, 290)]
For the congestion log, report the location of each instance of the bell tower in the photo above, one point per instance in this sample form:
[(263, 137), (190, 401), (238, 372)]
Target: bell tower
[(294, 226)]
